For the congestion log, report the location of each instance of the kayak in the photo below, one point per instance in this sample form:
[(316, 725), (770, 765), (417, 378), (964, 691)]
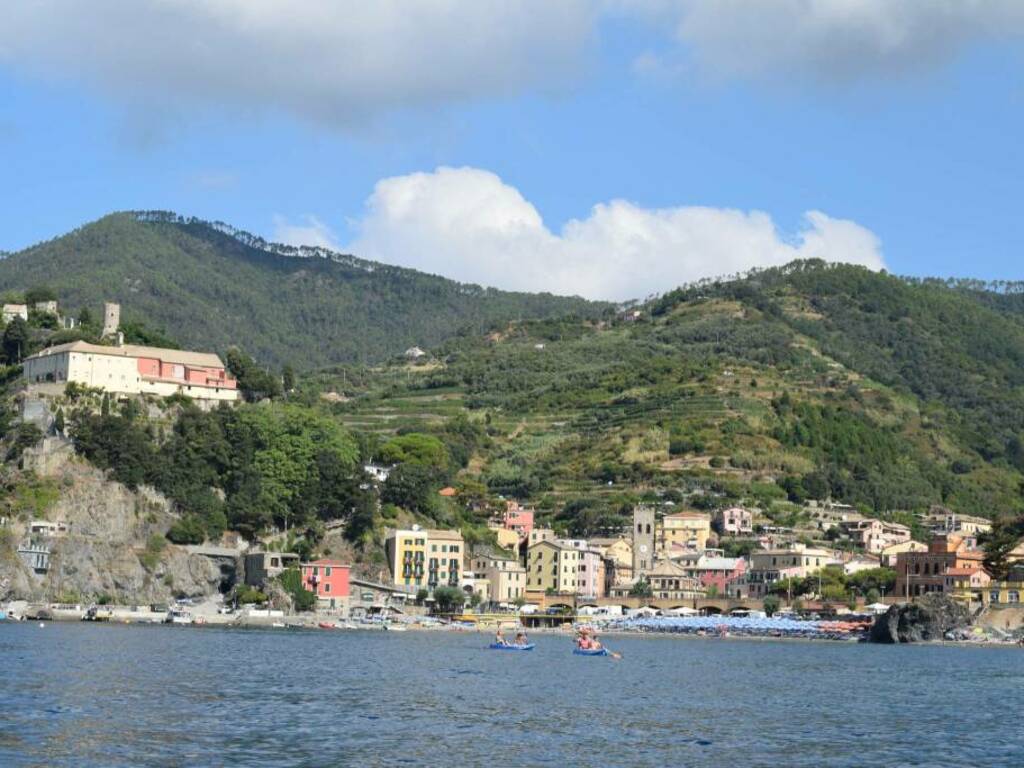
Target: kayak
[(500, 647), (590, 651)]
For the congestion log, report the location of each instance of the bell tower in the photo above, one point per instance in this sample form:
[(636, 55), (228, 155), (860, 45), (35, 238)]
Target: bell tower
[(643, 540)]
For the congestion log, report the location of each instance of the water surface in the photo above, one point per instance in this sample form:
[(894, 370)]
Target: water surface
[(86, 695)]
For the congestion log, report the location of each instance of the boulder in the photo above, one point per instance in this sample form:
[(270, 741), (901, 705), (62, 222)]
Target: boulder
[(930, 618)]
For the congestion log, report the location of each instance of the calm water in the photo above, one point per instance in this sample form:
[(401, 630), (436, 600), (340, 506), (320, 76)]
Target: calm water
[(80, 695)]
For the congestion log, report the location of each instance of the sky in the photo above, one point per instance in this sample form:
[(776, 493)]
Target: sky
[(612, 149)]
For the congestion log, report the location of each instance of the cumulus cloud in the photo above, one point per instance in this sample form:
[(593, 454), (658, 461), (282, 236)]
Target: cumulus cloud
[(467, 224), (827, 40), (328, 61), (308, 231)]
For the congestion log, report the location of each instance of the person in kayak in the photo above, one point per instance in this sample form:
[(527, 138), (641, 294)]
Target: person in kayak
[(588, 641), (499, 637), (521, 638)]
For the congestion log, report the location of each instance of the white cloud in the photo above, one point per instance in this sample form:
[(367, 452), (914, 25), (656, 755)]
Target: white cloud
[(328, 61), (310, 231), (829, 40), (467, 224)]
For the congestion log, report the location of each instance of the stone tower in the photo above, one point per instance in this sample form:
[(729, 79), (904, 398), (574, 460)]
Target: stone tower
[(643, 540), (111, 318)]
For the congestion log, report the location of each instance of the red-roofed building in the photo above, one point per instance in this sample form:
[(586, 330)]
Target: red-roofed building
[(517, 518), (448, 492), (328, 580), (918, 573)]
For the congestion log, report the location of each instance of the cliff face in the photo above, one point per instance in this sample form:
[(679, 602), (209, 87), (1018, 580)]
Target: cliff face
[(930, 618), (114, 546)]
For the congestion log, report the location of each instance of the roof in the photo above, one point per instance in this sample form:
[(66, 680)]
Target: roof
[(180, 356), (720, 563), (447, 491), (327, 561), (688, 516), (961, 571), (668, 568), (441, 533)]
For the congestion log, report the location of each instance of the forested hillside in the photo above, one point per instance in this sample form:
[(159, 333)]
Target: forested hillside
[(809, 381), (211, 287)]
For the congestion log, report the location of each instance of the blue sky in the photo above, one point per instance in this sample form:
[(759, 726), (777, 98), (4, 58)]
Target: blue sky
[(703, 136)]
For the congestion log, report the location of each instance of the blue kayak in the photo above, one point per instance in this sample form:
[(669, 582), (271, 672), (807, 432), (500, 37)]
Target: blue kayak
[(590, 651), (510, 647)]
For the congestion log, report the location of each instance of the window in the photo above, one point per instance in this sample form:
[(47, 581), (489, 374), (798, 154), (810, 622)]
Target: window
[(327, 587), (1013, 596), (327, 571)]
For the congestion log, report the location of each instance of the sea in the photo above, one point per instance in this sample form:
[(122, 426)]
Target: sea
[(93, 695)]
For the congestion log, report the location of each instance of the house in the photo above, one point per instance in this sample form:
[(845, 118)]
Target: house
[(329, 581), (735, 521), (670, 581), (261, 567), (854, 563), (131, 369), (716, 574), (1000, 594), (377, 472), (414, 353), (12, 311), (505, 538), (366, 597), (47, 528), (874, 535), (769, 566), (888, 554), (564, 566), (47, 307), (421, 558), (505, 575), (448, 492), (967, 584), (684, 530), (920, 573), (517, 518)]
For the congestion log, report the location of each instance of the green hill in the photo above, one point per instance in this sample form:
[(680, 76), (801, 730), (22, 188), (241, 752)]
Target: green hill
[(807, 381), (211, 286)]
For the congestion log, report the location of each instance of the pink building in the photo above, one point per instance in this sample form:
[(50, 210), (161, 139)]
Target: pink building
[(328, 580), (518, 519), (736, 521), (718, 572), (590, 575)]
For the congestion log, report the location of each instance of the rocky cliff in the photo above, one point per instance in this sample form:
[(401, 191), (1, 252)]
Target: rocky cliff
[(930, 618), (113, 546)]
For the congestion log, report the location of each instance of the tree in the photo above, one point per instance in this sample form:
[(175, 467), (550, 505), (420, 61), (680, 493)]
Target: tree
[(188, 530), (58, 422), (447, 599), (872, 596), (302, 598), (254, 383), (288, 378), (40, 293), (641, 588), (16, 340), (421, 595), (771, 604)]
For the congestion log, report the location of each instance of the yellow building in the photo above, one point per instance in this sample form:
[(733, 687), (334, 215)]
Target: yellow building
[(1008, 592), (422, 558), (684, 530), (552, 565), (888, 554), (506, 537), (505, 576)]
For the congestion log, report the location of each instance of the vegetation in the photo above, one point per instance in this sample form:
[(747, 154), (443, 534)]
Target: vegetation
[(217, 287)]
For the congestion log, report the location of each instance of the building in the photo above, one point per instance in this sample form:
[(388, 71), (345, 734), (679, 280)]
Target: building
[(855, 563), (130, 369), (261, 567), (425, 559), (517, 518), (506, 577), (670, 581), (967, 584), (46, 307), (682, 531), (538, 535), (887, 556), (414, 353), (552, 565), (874, 535), (35, 555), (716, 574), (1007, 592), (643, 540), (329, 581), (919, 573), (47, 528), (769, 566), (735, 521), (506, 539), (12, 311)]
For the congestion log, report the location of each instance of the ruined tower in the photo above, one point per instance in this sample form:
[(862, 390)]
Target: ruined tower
[(111, 318)]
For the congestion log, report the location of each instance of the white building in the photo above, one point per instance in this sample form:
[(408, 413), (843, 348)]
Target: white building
[(12, 311), (132, 370)]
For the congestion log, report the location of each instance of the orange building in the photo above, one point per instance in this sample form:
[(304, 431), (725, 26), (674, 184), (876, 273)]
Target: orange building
[(919, 573)]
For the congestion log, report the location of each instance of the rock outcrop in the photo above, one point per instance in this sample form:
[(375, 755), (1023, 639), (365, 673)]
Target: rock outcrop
[(930, 618)]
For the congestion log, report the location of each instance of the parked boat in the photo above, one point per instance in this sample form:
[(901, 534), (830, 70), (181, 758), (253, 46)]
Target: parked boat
[(393, 627), (178, 616), (510, 647), (327, 625)]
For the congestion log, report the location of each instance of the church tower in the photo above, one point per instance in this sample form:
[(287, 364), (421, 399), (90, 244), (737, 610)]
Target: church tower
[(643, 540)]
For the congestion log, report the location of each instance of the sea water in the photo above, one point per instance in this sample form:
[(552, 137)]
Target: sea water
[(94, 695)]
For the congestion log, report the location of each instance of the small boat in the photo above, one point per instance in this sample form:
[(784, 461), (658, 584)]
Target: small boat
[(178, 616), (590, 651), (393, 627), (278, 625), (511, 647), (327, 625)]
